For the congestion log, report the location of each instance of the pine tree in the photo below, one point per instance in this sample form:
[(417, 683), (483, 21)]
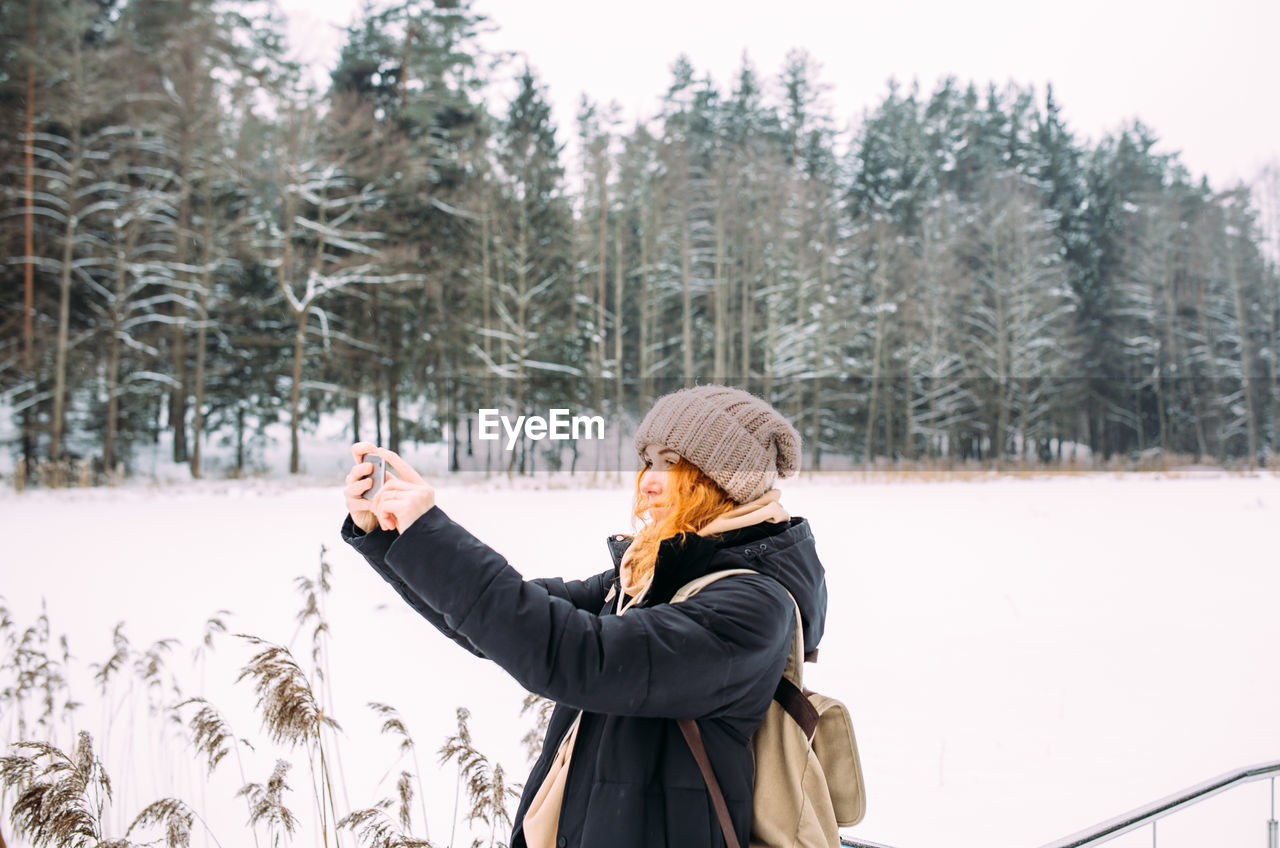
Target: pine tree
[(535, 288)]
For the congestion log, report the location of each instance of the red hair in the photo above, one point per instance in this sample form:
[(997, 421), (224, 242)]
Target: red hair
[(692, 500)]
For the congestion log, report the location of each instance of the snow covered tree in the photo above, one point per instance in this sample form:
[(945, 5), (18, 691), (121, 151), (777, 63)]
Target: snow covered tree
[(540, 354)]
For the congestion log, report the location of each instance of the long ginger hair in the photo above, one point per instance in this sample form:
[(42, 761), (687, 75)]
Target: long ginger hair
[(692, 499)]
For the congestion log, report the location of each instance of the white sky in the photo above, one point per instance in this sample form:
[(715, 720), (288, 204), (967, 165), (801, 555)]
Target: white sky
[(1200, 75)]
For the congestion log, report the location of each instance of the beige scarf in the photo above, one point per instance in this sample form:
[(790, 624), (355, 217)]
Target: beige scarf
[(542, 819)]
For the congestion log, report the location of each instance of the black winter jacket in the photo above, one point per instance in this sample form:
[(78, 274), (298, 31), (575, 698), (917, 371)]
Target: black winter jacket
[(632, 781)]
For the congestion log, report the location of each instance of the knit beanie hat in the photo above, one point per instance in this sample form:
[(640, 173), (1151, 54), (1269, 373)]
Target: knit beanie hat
[(734, 437)]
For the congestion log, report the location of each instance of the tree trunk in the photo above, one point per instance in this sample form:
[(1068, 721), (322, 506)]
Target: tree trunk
[(872, 402), (295, 392), (618, 280), (1246, 353), (720, 301), (28, 218), (686, 272), (112, 423), (486, 295), (1211, 346), (1138, 427), (394, 368), (355, 416), (64, 319), (1169, 367), (1001, 284), (648, 308), (819, 358), (748, 311), (240, 439), (68, 254), (182, 246), (1273, 374), (522, 327), (597, 380), (202, 334)]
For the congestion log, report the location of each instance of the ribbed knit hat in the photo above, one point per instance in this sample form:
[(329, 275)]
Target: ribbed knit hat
[(734, 437)]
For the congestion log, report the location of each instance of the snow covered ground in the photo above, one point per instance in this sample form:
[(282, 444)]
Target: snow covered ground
[(1022, 657)]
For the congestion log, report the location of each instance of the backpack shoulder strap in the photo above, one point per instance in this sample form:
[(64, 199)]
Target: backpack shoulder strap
[(693, 737), (693, 587)]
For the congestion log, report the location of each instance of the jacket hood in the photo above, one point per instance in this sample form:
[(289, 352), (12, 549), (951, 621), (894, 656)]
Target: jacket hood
[(784, 551)]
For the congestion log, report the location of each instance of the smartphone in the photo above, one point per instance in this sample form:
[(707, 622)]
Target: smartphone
[(379, 475)]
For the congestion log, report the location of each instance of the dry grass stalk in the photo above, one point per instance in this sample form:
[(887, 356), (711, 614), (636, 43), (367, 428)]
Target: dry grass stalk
[(314, 593), (35, 671), (266, 804), (214, 625), (394, 725), (149, 668), (489, 794), (458, 747), (541, 709), (487, 789), (291, 714), (53, 799), (289, 709), (404, 791), (53, 806), (376, 829), (105, 671), (84, 473), (211, 735), (176, 817)]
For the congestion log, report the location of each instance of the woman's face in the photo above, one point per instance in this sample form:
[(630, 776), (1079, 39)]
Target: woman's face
[(658, 460)]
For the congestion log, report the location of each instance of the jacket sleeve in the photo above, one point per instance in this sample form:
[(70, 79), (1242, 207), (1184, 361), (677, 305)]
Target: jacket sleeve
[(703, 658), (373, 546), (586, 594)]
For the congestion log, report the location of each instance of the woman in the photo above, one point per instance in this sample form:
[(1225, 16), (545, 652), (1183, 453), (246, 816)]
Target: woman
[(621, 662)]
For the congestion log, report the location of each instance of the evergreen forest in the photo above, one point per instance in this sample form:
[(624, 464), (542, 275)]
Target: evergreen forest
[(197, 245)]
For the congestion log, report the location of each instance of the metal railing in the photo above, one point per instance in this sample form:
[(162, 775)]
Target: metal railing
[(1153, 812)]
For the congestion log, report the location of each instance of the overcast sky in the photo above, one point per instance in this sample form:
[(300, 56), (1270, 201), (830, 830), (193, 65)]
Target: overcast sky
[(1201, 75)]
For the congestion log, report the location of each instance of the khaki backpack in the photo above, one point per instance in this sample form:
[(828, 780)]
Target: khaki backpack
[(808, 777)]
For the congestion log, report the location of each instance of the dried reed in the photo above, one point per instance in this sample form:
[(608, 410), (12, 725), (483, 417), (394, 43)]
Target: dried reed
[(176, 817), (291, 714), (487, 789), (376, 829), (54, 807), (541, 709), (395, 726), (63, 799), (266, 804), (212, 737)]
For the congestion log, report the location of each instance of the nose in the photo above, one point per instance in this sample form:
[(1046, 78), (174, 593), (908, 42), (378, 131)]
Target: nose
[(651, 482)]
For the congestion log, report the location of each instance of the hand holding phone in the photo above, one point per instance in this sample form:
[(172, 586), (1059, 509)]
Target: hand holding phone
[(379, 476), (368, 470), (405, 496)]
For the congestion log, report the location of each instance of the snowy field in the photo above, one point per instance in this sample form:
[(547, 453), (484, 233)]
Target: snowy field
[(1022, 657)]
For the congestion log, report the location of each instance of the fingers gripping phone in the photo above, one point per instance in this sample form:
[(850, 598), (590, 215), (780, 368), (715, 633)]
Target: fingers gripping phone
[(379, 476)]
